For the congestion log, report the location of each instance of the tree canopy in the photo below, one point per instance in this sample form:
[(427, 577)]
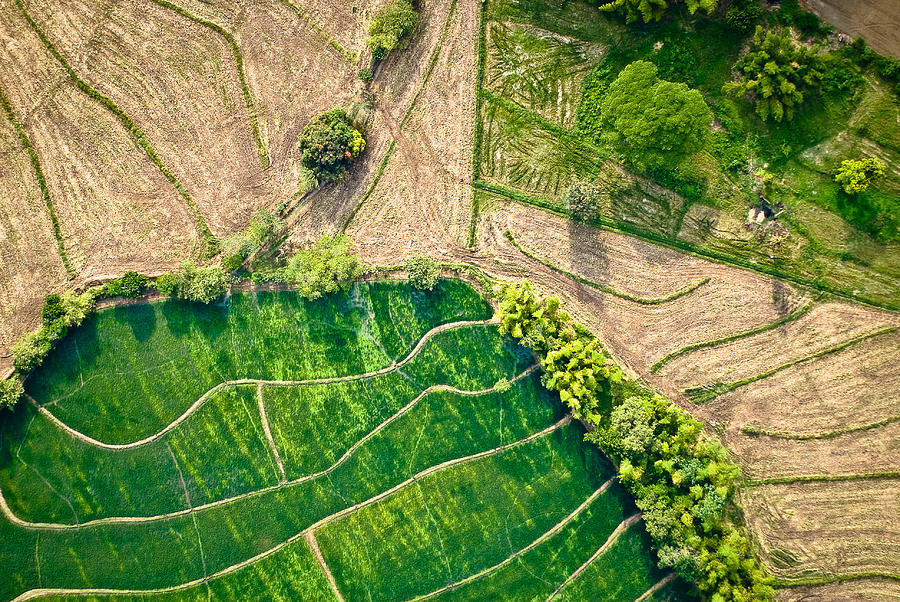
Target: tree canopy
[(203, 285), (654, 118), (855, 175), (422, 272), (324, 267), (776, 73), (329, 143), (653, 10), (391, 27)]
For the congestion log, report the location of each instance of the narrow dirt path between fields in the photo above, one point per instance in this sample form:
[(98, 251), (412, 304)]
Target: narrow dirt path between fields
[(36, 593), (656, 587), (553, 531), (393, 366), (268, 431), (314, 546), (7, 511), (600, 551)]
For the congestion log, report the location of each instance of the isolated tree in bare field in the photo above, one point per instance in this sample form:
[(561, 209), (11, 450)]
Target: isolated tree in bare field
[(329, 143)]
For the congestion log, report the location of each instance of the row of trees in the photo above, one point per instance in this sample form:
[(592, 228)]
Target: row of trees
[(682, 480)]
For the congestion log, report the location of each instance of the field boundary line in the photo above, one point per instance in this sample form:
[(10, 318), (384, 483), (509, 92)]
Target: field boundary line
[(822, 478), (656, 587), (825, 579), (682, 292), (37, 592), (733, 337), (261, 148), (393, 366), (478, 128), (187, 499), (749, 429), (684, 247), (557, 528), (314, 546), (42, 184), (212, 244), (350, 56), (706, 393), (613, 537), (264, 418), (7, 511)]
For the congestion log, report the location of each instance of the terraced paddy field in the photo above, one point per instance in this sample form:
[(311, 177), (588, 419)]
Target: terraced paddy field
[(383, 444)]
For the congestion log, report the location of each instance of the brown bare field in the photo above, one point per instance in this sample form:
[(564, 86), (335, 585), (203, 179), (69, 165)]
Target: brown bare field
[(854, 387), (875, 589), (29, 263), (838, 528), (824, 326), (117, 211)]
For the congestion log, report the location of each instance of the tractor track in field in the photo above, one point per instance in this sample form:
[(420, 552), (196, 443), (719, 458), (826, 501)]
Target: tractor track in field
[(7, 511), (38, 592), (393, 366), (656, 587)]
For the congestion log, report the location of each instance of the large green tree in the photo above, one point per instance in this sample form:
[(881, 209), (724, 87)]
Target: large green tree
[(776, 74), (391, 27), (654, 119), (329, 143), (653, 10)]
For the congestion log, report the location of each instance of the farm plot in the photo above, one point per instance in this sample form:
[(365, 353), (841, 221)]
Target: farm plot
[(409, 447)]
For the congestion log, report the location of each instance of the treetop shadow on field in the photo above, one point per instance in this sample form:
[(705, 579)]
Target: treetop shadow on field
[(141, 318)]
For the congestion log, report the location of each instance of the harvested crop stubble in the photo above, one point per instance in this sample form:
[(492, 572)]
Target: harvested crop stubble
[(873, 450), (117, 211), (29, 262), (182, 89), (876, 589), (854, 387), (810, 529), (823, 327)]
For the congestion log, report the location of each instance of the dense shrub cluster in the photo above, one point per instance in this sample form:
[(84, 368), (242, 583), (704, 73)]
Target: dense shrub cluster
[(237, 248), (204, 285), (855, 175), (329, 143), (131, 284), (654, 119), (422, 272), (675, 60), (583, 201), (319, 269), (653, 10), (59, 314), (11, 390), (777, 73), (391, 27), (743, 14), (682, 480)]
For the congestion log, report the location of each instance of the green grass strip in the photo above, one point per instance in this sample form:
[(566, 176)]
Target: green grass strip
[(371, 188), (351, 57), (822, 478), (478, 134), (684, 246), (239, 60), (687, 290), (212, 244), (42, 183), (785, 582), (733, 337), (705, 393), (749, 429)]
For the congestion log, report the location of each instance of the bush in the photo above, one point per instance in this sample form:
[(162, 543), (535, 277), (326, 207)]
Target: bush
[(131, 284), (842, 80), (653, 10), (323, 268), (655, 120), (11, 390), (593, 91), (366, 74), (582, 201), (329, 143), (391, 27), (203, 285), (777, 73), (743, 14), (675, 60), (422, 272), (856, 175), (791, 13), (31, 349), (53, 309)]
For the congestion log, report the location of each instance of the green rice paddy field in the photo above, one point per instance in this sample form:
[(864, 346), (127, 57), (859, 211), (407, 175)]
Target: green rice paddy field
[(181, 451)]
